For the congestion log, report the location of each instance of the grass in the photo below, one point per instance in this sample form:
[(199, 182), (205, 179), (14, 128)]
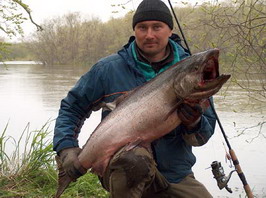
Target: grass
[(30, 170)]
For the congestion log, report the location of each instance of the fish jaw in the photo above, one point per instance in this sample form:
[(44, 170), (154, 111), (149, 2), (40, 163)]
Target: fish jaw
[(210, 79), (206, 90), (201, 79)]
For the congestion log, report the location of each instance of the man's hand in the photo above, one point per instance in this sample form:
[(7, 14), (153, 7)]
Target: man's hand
[(189, 115), (70, 162)]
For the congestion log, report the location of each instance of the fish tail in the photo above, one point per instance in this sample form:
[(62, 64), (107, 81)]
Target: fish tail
[(63, 179)]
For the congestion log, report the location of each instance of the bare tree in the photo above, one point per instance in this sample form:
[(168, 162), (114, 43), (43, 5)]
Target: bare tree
[(241, 26), (11, 17)]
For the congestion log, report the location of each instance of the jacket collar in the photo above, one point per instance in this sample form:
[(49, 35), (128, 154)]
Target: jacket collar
[(127, 55)]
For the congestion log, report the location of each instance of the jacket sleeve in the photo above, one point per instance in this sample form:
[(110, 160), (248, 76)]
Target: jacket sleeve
[(76, 107), (201, 134)]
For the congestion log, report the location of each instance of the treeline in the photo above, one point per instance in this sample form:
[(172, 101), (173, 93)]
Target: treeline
[(18, 51), (238, 28), (73, 40)]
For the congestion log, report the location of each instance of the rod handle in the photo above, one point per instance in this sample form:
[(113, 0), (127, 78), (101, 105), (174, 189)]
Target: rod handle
[(241, 174)]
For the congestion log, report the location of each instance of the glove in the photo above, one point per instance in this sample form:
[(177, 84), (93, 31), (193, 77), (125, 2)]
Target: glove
[(189, 115), (70, 162)]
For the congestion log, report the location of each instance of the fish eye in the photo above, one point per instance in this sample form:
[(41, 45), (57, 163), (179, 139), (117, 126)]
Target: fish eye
[(196, 67)]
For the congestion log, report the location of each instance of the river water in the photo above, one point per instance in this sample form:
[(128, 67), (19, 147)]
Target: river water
[(31, 93)]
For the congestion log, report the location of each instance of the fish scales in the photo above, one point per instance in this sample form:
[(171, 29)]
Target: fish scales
[(149, 112), (139, 118)]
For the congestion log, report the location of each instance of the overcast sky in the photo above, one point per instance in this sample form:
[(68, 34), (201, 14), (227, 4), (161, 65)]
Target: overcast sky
[(104, 9)]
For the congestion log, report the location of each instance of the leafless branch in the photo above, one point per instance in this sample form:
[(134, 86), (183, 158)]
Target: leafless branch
[(26, 8)]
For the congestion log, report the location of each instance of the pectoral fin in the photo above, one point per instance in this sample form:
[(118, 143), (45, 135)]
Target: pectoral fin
[(112, 105), (174, 108), (132, 145)]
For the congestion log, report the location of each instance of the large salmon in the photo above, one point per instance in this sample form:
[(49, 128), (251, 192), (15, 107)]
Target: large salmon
[(149, 112)]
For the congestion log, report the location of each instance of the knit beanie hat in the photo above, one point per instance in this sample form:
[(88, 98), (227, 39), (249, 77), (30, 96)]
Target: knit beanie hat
[(149, 10)]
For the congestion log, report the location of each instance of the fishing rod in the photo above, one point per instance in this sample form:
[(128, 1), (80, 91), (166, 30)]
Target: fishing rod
[(234, 157), (179, 26), (231, 151)]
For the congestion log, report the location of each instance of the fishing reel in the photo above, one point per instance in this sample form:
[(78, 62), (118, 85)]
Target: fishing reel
[(219, 175)]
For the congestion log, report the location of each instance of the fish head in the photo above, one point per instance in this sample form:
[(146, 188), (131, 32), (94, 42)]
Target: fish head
[(198, 76)]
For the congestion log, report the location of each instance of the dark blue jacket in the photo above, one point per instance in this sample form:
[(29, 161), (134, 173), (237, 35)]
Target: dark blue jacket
[(109, 78)]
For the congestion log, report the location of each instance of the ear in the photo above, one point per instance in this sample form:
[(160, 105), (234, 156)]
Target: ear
[(170, 33)]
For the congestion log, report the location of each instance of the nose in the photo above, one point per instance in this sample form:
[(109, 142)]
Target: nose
[(149, 33)]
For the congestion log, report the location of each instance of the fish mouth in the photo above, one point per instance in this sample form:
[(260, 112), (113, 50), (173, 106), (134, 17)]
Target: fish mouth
[(210, 75), (210, 69), (211, 80)]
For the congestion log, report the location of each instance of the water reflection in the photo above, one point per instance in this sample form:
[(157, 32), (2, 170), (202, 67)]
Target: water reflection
[(32, 93)]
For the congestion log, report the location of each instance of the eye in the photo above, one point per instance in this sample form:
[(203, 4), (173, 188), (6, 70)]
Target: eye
[(141, 27), (157, 27), (196, 68)]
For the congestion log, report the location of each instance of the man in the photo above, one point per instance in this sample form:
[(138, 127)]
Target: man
[(166, 170)]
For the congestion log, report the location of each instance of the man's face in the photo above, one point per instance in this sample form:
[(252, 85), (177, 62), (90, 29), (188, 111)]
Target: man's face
[(152, 37)]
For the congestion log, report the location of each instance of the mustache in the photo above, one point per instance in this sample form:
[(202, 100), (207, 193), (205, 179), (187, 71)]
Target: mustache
[(149, 42)]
